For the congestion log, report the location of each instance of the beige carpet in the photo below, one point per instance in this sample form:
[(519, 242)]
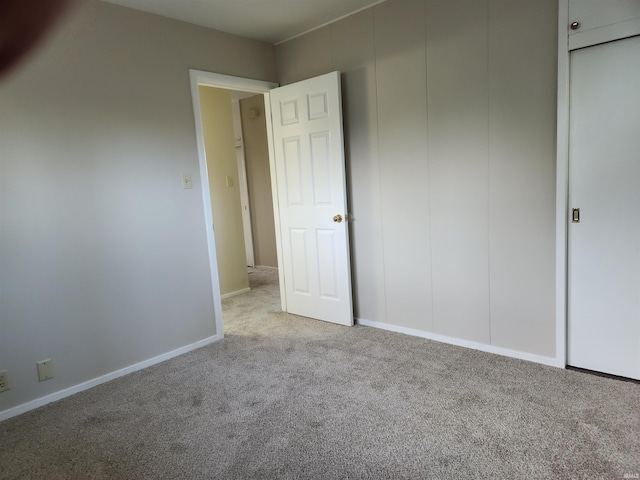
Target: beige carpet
[(287, 397)]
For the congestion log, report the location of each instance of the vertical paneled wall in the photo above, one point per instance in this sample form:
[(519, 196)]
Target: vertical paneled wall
[(522, 142), (450, 129), (353, 53), (457, 81), (402, 117)]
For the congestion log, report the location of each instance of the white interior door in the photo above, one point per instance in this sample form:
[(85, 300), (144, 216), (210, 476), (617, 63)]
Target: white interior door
[(604, 247), (312, 201), (242, 183)]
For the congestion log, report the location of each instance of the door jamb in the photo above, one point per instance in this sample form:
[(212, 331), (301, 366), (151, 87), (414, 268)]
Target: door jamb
[(562, 185), (228, 82)]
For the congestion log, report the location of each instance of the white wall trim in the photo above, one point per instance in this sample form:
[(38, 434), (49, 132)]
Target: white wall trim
[(39, 402), (267, 267), (505, 352), (233, 294), (329, 22), (562, 184), (230, 82)]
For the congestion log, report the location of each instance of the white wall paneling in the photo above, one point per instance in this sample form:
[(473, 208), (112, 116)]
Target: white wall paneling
[(353, 54), (458, 196), (522, 108), (402, 139), (458, 104)]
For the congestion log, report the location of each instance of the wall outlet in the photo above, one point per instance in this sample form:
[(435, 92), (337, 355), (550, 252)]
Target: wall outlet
[(229, 180), (4, 381), (45, 370)]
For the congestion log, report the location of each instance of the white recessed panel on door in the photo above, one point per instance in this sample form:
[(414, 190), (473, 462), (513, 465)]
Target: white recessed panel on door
[(321, 167), (318, 105), (298, 246), (292, 171), (327, 263), (289, 112)]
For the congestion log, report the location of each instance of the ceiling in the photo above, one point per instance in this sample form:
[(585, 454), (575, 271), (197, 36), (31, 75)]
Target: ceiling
[(271, 21)]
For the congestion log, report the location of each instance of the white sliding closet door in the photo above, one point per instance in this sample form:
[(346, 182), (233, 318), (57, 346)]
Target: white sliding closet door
[(604, 246)]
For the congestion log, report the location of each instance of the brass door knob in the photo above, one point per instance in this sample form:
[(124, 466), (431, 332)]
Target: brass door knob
[(337, 218)]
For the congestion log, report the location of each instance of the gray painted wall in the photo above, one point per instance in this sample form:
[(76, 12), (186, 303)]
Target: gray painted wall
[(450, 125), (103, 255)]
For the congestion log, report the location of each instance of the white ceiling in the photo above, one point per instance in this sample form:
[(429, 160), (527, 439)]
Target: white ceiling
[(271, 21)]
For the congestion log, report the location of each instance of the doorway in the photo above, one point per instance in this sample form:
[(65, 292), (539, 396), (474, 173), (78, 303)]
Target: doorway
[(252, 153), (237, 158), (229, 84), (308, 196)]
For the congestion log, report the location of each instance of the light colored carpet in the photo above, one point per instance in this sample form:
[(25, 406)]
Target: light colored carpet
[(287, 397)]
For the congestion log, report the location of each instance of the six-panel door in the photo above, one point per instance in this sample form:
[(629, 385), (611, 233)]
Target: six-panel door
[(311, 186)]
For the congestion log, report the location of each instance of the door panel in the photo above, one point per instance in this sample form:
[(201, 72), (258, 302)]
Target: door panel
[(311, 186), (292, 172), (604, 247)]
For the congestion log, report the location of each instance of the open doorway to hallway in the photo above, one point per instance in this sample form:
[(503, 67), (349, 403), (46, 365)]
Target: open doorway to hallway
[(243, 313), (237, 157)]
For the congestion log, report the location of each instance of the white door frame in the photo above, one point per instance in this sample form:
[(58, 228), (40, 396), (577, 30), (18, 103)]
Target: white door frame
[(562, 184), (228, 82)]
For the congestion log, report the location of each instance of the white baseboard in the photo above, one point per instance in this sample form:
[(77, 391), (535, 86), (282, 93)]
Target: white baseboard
[(233, 294), (266, 267), (462, 343), (39, 402)]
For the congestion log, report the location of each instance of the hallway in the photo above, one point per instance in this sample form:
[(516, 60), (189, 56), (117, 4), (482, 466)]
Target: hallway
[(242, 312)]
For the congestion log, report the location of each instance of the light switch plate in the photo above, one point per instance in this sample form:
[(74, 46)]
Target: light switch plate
[(186, 181), (229, 181), (45, 370)]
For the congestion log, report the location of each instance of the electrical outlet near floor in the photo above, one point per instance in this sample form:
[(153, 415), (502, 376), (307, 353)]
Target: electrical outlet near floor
[(45, 370), (4, 381)]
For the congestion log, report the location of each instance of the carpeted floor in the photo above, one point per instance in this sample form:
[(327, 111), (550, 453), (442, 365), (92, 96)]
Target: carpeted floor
[(287, 397)]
